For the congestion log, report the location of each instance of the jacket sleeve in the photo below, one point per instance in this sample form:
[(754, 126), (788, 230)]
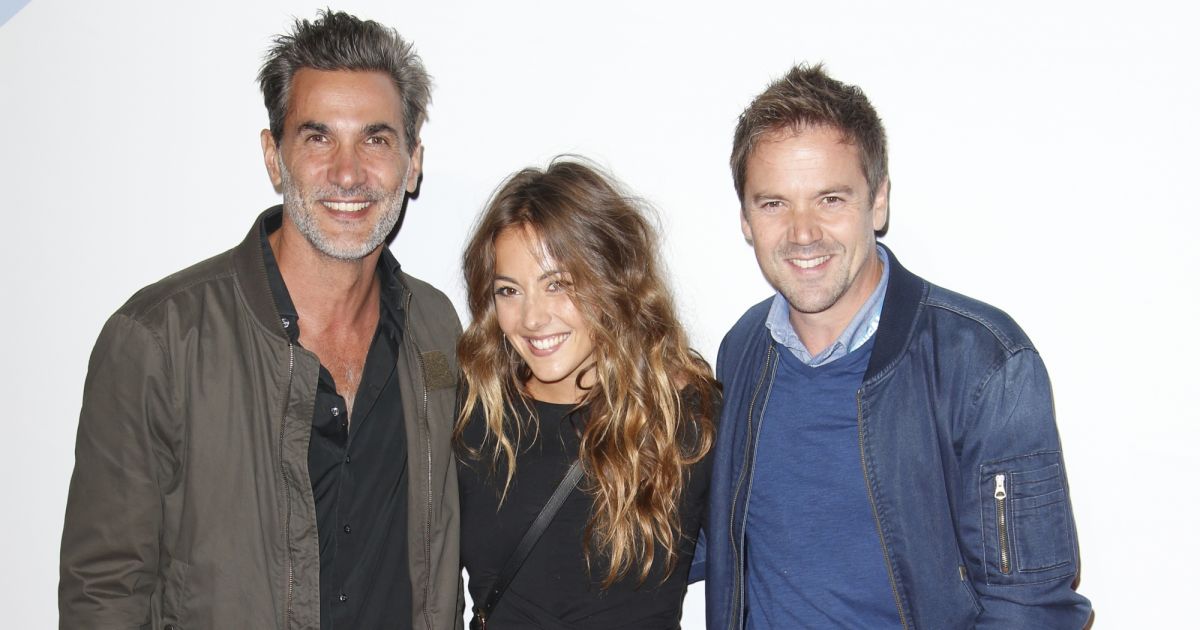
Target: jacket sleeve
[(1016, 527), (110, 544)]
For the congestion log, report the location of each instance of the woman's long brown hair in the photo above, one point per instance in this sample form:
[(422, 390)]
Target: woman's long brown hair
[(641, 435)]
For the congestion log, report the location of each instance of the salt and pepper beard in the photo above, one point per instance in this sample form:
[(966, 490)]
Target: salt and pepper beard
[(299, 208)]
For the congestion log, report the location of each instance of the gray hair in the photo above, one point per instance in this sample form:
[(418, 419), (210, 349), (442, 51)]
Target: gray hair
[(340, 41)]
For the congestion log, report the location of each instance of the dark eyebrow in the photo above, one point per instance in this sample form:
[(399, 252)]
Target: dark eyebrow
[(761, 196), (380, 127), (552, 272), (317, 127), (369, 130), (837, 190)]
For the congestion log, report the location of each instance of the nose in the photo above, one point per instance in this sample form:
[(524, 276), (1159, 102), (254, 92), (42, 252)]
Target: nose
[(804, 228), (535, 313), (347, 170)]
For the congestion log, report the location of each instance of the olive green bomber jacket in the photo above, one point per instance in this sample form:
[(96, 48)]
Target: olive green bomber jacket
[(191, 505)]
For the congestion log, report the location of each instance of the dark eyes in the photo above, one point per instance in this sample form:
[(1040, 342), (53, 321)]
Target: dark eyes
[(554, 286), (379, 141), (827, 200)]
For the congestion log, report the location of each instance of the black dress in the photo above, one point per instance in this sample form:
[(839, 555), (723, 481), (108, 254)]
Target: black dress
[(553, 589)]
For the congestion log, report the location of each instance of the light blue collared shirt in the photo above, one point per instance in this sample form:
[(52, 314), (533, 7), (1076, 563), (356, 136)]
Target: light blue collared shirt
[(860, 329)]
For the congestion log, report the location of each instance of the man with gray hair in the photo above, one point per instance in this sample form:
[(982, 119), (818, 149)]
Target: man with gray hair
[(264, 440), (887, 454)]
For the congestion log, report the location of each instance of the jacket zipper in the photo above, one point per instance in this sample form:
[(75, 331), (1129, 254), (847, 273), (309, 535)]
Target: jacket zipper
[(887, 557), (1001, 496), (428, 465), (735, 619), (287, 490)]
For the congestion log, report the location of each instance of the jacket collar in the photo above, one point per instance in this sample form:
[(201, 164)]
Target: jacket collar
[(251, 272), (902, 303)]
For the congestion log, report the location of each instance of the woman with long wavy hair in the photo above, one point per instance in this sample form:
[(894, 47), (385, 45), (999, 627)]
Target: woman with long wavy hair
[(574, 352)]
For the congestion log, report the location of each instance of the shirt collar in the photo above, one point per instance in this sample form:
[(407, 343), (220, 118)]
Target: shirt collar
[(861, 327), (388, 270)]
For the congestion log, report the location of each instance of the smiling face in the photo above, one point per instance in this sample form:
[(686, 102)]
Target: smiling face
[(811, 218), (538, 317), (342, 161)]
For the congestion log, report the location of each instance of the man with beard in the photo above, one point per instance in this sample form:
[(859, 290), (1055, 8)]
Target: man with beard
[(264, 438), (887, 454)]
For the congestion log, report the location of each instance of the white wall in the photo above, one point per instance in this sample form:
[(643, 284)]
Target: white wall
[(1042, 154)]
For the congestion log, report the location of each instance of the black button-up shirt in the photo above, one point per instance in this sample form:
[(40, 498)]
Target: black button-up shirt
[(359, 471)]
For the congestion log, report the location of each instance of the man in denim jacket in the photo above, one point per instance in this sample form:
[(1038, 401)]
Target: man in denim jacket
[(887, 454)]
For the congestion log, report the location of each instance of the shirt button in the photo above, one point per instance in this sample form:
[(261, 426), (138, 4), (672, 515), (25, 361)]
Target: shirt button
[(343, 597), (335, 411), (346, 529), (347, 459)]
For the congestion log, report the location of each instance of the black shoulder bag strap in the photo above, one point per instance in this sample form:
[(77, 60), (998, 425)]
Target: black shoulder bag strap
[(517, 558)]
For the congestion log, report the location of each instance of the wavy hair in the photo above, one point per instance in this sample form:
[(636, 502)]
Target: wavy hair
[(649, 409)]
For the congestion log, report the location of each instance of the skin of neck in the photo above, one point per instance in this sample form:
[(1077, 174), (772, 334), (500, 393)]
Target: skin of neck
[(326, 291)]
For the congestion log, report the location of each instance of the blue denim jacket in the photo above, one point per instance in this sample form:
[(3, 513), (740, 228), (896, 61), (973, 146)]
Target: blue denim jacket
[(960, 456)]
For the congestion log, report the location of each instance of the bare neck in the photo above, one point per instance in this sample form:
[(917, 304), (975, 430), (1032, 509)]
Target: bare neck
[(327, 292)]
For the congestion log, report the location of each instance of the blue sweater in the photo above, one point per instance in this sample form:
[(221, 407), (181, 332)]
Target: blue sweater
[(813, 558)]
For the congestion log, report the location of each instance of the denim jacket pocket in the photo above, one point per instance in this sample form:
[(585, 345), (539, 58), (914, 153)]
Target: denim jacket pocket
[(1041, 532), (1026, 520)]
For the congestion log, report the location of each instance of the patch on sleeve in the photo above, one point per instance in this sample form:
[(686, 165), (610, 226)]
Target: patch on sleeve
[(437, 370)]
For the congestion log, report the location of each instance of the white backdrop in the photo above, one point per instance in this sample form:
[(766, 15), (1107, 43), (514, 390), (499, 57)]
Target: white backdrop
[(1042, 157)]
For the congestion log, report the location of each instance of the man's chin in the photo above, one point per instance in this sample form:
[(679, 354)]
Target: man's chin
[(809, 303), (347, 254), (342, 249)]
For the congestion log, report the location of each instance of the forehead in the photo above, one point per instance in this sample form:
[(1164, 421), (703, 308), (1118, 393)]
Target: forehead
[(811, 153), (330, 95), (521, 249)]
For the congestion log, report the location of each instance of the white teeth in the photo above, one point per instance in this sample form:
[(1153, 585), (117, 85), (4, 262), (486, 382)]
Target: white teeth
[(808, 264), (549, 342), (346, 206)]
